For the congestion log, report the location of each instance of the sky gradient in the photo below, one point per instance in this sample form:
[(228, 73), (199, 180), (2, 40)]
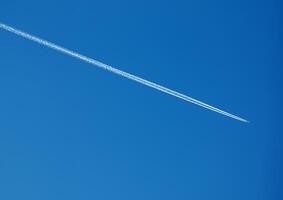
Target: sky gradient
[(72, 131)]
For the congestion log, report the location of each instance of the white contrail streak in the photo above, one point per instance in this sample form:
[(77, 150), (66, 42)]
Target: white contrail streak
[(116, 71)]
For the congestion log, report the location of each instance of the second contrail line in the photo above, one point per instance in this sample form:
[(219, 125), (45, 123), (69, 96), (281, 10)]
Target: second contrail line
[(116, 71)]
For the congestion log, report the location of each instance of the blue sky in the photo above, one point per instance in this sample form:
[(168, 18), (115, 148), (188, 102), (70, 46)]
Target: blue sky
[(72, 131)]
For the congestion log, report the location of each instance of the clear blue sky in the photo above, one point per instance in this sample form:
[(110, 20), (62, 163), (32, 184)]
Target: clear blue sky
[(69, 130)]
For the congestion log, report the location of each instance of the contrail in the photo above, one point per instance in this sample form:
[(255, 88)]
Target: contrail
[(116, 71)]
